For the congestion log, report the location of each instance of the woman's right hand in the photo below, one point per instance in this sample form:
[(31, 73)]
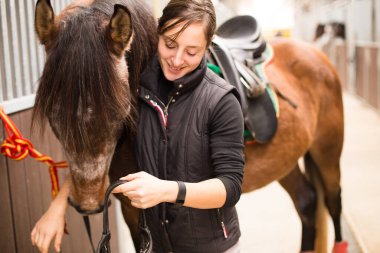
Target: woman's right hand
[(50, 225)]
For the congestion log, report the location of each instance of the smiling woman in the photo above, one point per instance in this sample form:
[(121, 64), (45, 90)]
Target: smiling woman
[(189, 139)]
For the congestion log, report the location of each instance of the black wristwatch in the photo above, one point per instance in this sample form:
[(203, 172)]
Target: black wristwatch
[(181, 193)]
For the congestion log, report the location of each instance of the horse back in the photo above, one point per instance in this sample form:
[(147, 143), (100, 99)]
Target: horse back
[(304, 74)]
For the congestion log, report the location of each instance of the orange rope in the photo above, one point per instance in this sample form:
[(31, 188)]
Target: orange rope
[(18, 148)]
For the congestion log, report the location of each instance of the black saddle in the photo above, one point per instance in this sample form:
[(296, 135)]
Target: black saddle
[(236, 49), (242, 32)]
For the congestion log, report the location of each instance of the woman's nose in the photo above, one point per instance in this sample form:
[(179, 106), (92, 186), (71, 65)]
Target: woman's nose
[(177, 59)]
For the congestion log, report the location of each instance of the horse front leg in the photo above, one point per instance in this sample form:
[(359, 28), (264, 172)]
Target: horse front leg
[(304, 197)]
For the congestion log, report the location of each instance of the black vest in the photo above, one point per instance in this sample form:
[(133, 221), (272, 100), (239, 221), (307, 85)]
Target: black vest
[(184, 133)]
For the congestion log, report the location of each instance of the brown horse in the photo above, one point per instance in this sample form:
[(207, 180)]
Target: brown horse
[(313, 130), (87, 92)]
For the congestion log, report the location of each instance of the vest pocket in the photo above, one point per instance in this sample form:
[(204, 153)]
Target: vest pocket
[(220, 221)]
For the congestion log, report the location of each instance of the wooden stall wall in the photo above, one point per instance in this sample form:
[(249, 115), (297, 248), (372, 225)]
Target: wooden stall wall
[(367, 75), (336, 51), (7, 240), (341, 63), (25, 193), (366, 81)]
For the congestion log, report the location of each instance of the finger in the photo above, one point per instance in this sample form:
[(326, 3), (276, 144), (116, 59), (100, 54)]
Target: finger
[(140, 205), (132, 176), (40, 242), (57, 242), (135, 204), (33, 235), (127, 187), (36, 237), (46, 243), (133, 195)]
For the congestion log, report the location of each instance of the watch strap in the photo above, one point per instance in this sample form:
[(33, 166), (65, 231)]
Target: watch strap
[(181, 193)]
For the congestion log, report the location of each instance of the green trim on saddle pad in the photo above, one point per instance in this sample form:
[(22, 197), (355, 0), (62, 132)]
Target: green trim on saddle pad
[(214, 68), (260, 69), (247, 135), (273, 96), (268, 56)]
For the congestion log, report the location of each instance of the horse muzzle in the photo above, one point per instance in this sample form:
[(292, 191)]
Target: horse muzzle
[(84, 211)]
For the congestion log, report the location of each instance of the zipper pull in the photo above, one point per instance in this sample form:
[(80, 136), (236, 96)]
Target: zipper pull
[(220, 218), (166, 107), (224, 230)]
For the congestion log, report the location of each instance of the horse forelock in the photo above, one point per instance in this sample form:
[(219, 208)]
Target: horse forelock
[(81, 91)]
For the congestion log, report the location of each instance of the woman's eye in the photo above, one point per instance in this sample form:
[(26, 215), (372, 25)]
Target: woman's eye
[(171, 46), (191, 54)]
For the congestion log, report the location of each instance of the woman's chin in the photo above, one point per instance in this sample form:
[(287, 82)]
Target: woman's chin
[(173, 75)]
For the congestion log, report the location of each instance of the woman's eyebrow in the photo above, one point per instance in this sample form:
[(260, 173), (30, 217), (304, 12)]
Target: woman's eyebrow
[(170, 39), (195, 47)]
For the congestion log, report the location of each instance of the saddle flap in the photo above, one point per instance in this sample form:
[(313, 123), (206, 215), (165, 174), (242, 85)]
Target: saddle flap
[(261, 118)]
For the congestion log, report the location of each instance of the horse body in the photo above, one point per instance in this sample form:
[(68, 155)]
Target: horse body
[(93, 91), (314, 130), (308, 79)]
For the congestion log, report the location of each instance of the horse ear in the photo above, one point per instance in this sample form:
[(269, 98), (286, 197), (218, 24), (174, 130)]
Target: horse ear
[(120, 29), (44, 21)]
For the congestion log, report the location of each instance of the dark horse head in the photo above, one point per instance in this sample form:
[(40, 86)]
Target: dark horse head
[(95, 52)]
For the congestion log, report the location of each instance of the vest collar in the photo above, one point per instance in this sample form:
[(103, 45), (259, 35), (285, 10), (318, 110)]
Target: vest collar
[(151, 76)]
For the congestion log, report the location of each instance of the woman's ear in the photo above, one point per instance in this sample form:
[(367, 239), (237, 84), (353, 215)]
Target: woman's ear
[(44, 22), (120, 28)]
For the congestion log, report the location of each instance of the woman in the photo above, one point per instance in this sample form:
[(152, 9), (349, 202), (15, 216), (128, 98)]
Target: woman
[(189, 140)]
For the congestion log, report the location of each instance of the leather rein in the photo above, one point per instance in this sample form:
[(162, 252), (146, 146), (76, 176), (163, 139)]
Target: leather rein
[(104, 243)]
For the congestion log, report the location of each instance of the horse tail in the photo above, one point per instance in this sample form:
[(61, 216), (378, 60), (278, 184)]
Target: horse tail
[(312, 172)]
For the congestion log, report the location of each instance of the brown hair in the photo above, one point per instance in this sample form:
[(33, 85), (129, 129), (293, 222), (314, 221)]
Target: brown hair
[(189, 11)]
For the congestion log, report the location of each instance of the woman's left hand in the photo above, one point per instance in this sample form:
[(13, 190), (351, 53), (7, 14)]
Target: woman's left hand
[(50, 226), (145, 190)]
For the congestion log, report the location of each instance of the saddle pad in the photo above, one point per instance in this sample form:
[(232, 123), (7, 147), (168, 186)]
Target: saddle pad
[(263, 111)]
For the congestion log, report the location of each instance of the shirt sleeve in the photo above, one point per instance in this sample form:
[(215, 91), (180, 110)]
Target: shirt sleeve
[(227, 146)]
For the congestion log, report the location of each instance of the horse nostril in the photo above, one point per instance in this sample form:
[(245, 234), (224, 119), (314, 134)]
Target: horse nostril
[(82, 211), (89, 212)]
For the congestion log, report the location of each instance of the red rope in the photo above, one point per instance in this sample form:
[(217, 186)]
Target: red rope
[(18, 148)]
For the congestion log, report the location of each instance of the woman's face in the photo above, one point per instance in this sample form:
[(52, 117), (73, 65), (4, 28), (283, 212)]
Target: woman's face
[(183, 55)]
